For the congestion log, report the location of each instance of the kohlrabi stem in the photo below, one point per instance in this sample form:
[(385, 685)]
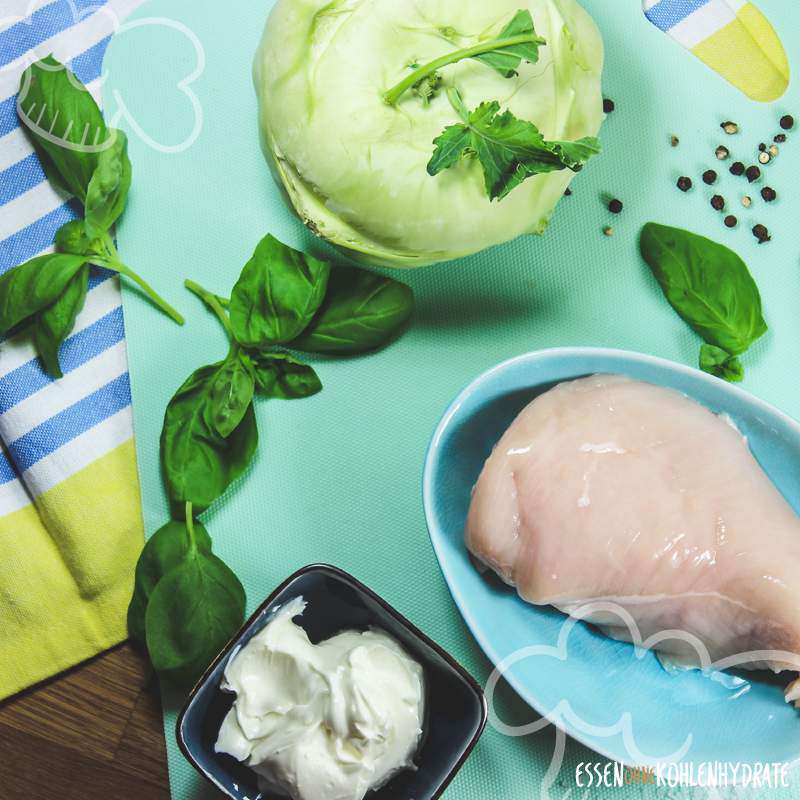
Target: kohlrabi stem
[(396, 92), (213, 302), (113, 263)]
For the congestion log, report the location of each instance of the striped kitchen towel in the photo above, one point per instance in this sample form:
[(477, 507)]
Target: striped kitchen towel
[(732, 37), (70, 514)]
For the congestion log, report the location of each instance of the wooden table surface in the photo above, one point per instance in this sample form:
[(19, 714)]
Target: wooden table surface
[(93, 733)]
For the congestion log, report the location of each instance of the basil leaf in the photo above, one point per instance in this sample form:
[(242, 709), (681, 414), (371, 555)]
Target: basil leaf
[(509, 150), (506, 59), (716, 361), (55, 323), (108, 188), (198, 463), (232, 392), (73, 238), (193, 612), (276, 295), (65, 124), (362, 311), (33, 286), (168, 547), (282, 376), (707, 284)]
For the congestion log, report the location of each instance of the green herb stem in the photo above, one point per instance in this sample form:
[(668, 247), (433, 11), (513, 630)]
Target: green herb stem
[(214, 302), (396, 92), (454, 96), (190, 528)]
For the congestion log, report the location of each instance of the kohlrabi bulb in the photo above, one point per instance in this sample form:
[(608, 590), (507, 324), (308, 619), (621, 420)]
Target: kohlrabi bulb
[(355, 167)]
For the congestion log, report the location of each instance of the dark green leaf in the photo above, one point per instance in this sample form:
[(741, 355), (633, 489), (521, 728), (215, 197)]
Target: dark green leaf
[(33, 286), (716, 361), (163, 551), (506, 60), (362, 311), (65, 124), (193, 612), (54, 324), (72, 238), (231, 393), (108, 188), (509, 150), (282, 376), (198, 463), (707, 284), (276, 295)]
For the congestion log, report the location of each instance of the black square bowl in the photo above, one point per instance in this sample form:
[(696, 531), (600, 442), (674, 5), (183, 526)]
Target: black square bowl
[(455, 708)]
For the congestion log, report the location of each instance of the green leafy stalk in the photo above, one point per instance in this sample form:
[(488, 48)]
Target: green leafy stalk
[(517, 42)]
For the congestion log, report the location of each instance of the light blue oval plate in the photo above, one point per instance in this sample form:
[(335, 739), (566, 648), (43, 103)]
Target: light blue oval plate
[(614, 698)]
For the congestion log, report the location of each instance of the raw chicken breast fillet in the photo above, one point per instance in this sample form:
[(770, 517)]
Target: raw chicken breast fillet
[(607, 488)]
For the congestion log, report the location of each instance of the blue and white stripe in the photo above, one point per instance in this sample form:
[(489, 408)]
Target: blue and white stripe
[(49, 430), (690, 22)]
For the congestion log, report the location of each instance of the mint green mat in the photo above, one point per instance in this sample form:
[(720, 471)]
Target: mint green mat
[(337, 477)]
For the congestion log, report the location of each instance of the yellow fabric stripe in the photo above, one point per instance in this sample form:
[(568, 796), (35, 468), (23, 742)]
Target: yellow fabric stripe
[(748, 53), (66, 571)]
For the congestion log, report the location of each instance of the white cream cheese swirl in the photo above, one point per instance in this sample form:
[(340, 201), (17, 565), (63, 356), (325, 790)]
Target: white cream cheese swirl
[(322, 722)]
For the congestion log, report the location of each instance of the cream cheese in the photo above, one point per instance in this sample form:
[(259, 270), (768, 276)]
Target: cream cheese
[(322, 722)]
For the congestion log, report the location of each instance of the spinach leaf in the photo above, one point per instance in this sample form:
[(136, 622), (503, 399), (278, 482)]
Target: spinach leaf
[(65, 124), (168, 547), (509, 150), (33, 286), (276, 295), (716, 361), (232, 392), (54, 324), (362, 311), (507, 58), (707, 284), (282, 376), (192, 613), (108, 188), (198, 463)]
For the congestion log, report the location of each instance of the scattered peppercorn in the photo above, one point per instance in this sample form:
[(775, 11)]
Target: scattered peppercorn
[(773, 150), (761, 233), (608, 105), (674, 140), (730, 127), (615, 206), (608, 230), (780, 138), (764, 158), (787, 122), (737, 168), (684, 183), (747, 201), (769, 194), (567, 192), (731, 221), (753, 173), (722, 152), (762, 147), (718, 202), (710, 177)]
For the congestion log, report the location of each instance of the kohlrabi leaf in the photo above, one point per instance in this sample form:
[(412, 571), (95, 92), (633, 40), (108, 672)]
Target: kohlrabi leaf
[(509, 150), (507, 58)]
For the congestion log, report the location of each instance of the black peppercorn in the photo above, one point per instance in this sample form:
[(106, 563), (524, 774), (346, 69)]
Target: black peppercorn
[(684, 183), (780, 138), (717, 202), (762, 147), (787, 122), (761, 233), (615, 206), (729, 127), (567, 192), (709, 177), (737, 168), (731, 221), (753, 173), (722, 152), (769, 194), (608, 105)]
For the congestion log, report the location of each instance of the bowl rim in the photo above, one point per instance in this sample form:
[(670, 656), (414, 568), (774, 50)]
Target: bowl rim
[(436, 534), (346, 577)]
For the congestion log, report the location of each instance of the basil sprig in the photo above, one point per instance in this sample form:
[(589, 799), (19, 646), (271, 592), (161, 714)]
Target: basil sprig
[(187, 603), (711, 289), (83, 157)]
